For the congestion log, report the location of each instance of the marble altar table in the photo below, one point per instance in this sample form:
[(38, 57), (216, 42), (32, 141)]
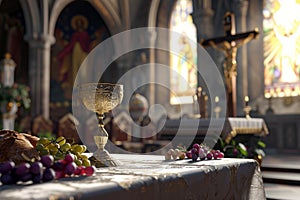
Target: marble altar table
[(150, 177)]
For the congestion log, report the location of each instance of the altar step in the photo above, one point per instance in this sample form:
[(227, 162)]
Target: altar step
[(281, 176), (282, 192)]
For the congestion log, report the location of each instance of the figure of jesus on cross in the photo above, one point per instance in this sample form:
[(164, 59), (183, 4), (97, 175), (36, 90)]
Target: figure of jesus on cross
[(229, 45)]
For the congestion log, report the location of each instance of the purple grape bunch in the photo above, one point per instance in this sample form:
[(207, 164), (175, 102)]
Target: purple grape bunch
[(43, 170), (202, 152), (38, 171), (67, 168)]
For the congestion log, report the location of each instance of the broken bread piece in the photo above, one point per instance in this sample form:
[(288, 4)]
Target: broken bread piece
[(17, 147)]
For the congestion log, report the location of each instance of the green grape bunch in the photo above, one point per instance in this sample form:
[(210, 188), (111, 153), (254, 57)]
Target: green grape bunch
[(59, 148)]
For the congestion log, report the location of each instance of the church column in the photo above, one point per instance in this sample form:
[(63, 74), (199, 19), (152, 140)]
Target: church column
[(39, 73), (152, 36), (203, 19), (152, 20), (240, 8)]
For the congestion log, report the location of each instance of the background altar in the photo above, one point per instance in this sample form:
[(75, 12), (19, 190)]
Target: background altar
[(212, 129)]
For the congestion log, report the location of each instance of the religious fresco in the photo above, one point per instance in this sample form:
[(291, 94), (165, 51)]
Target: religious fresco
[(184, 65), (78, 30), (282, 48)]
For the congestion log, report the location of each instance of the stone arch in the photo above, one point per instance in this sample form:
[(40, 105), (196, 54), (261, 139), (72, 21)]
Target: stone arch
[(153, 13), (109, 15), (32, 18), (56, 11), (164, 13), (104, 8)]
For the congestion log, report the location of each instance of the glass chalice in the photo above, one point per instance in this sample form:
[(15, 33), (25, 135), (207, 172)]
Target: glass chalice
[(101, 98)]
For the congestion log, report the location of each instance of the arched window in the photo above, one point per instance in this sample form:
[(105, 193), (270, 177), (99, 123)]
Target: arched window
[(282, 47), (183, 66)]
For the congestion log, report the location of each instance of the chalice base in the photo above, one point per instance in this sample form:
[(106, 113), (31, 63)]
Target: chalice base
[(101, 158)]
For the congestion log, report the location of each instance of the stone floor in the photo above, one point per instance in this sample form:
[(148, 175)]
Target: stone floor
[(281, 175)]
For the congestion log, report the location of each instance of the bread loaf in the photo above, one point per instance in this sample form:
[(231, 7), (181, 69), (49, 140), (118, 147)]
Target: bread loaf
[(18, 147)]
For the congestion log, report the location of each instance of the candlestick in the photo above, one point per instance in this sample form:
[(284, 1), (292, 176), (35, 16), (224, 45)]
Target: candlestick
[(217, 108), (216, 99), (246, 101), (202, 101), (196, 106), (247, 108), (269, 109), (198, 92)]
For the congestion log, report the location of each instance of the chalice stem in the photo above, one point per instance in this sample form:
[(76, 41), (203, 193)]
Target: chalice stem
[(100, 119), (102, 157), (101, 139)]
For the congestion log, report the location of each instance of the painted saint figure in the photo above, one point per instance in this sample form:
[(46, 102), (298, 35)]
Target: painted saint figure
[(74, 52), (287, 31), (186, 61), (281, 43)]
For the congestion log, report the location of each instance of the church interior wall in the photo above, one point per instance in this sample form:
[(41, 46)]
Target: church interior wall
[(119, 16)]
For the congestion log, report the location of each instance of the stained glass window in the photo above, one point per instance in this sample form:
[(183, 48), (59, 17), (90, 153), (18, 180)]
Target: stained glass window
[(282, 47), (183, 64)]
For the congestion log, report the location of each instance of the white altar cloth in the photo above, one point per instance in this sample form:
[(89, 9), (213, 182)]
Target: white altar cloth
[(150, 177)]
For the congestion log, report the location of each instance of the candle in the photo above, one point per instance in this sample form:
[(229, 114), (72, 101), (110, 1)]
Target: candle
[(196, 104), (246, 100), (199, 90), (216, 99), (217, 108), (195, 98)]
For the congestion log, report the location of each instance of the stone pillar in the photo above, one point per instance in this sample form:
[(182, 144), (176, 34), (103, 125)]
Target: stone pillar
[(39, 73), (203, 19), (240, 8), (152, 90)]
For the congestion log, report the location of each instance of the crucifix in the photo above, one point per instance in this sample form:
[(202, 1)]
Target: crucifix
[(229, 45)]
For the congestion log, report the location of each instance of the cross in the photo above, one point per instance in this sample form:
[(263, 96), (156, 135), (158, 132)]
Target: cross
[(229, 45)]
